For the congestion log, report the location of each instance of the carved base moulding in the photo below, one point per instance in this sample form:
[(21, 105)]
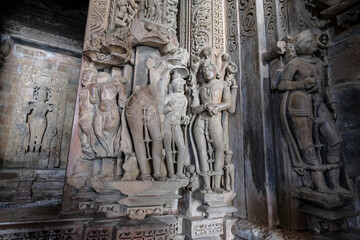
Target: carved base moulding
[(320, 220)]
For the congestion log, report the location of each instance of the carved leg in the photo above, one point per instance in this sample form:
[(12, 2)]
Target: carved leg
[(199, 135), (216, 134), (333, 139), (168, 150), (99, 131), (157, 146), (37, 129), (136, 128), (180, 145), (303, 128)]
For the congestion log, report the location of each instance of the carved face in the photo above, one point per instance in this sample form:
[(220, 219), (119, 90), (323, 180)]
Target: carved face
[(178, 87), (87, 78), (122, 11), (42, 94), (209, 73), (307, 46)]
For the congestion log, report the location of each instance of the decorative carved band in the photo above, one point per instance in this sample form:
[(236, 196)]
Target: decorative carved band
[(248, 19)]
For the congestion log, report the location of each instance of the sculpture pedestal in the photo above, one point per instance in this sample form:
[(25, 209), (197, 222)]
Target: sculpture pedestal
[(320, 220), (210, 216), (135, 199), (326, 200)]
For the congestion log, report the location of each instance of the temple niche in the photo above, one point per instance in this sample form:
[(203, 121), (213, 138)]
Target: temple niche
[(191, 120)]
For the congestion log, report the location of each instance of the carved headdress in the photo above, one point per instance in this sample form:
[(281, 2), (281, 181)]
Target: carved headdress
[(304, 35), (177, 78)]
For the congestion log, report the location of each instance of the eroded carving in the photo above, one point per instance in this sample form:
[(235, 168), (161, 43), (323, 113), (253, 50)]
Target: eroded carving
[(36, 133)]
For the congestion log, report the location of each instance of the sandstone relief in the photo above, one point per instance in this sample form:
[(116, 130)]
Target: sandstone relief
[(151, 130), (308, 115), (39, 115)]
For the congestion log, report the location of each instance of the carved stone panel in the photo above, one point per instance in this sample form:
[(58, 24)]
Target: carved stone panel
[(38, 119)]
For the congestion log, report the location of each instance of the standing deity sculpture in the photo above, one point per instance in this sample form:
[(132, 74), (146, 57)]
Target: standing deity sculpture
[(229, 171), (37, 120), (308, 117), (88, 98), (214, 97), (175, 107)]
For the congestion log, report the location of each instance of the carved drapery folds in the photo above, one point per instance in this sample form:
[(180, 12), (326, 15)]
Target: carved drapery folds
[(143, 115)]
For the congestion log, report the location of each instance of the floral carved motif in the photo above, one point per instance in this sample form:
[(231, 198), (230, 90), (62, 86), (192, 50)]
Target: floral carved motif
[(201, 25), (232, 27), (248, 19)]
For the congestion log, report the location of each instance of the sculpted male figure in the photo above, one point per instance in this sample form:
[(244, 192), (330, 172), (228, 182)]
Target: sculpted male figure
[(215, 97), (311, 109), (175, 106), (38, 120)]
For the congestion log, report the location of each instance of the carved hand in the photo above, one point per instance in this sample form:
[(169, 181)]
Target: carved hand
[(333, 109), (211, 108), (185, 120), (310, 85)]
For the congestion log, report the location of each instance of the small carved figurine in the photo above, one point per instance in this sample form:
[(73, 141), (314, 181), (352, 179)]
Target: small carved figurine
[(193, 178), (229, 171), (175, 106), (127, 10), (131, 168)]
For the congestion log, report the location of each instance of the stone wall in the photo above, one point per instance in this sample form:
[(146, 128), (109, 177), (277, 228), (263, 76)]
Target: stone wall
[(17, 83)]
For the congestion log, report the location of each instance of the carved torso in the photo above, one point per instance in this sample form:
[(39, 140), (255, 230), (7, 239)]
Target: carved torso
[(177, 102)]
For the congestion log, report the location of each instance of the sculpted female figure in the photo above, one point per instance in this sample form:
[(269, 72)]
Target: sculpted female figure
[(175, 106), (107, 117), (312, 111), (88, 97), (215, 97)]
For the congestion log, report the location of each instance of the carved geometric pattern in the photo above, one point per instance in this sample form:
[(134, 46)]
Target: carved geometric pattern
[(99, 233), (248, 20), (142, 234), (213, 228), (68, 233), (218, 24)]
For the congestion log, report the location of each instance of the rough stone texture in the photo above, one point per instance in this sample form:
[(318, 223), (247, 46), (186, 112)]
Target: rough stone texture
[(244, 229), (345, 55), (19, 57), (46, 186), (55, 26), (31, 188)]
